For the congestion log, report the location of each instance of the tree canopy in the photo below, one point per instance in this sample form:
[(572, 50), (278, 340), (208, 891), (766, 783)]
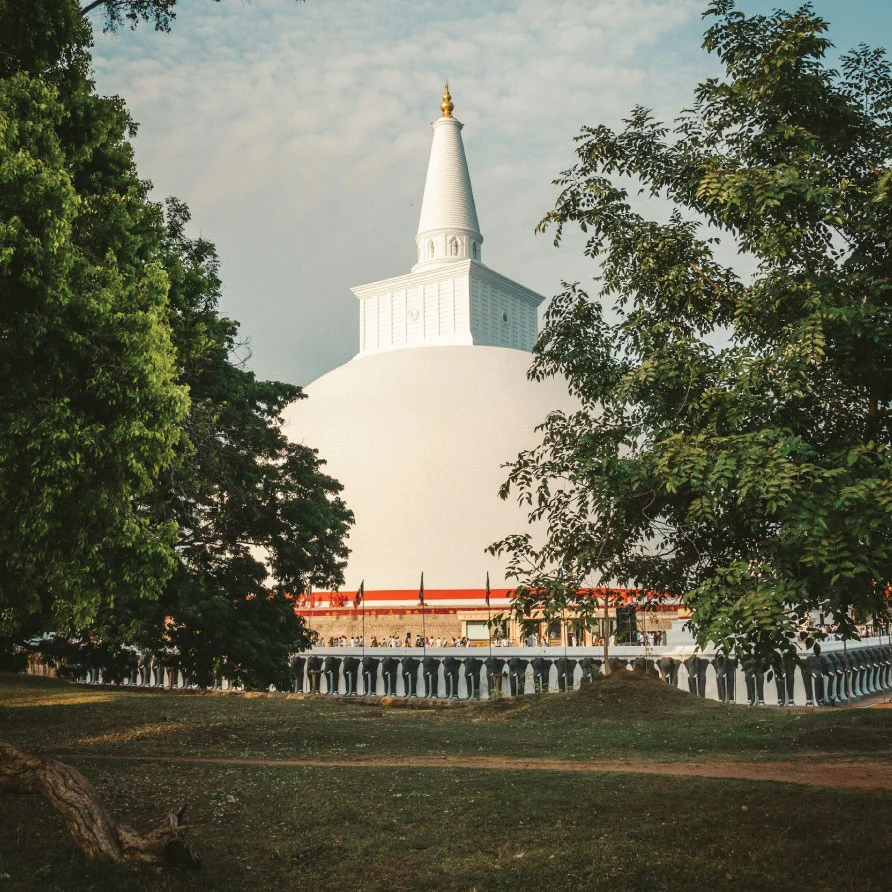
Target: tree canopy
[(733, 442), (258, 519), (90, 406), (116, 12), (147, 493)]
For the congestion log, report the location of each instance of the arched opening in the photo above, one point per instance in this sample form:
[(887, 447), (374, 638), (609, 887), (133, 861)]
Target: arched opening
[(430, 250), (453, 247)]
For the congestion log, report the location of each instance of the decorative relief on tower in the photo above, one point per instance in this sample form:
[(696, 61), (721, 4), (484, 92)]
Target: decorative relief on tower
[(502, 313), (398, 316), (385, 320), (414, 331), (431, 315)]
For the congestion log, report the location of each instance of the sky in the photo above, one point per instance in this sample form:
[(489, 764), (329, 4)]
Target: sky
[(299, 134)]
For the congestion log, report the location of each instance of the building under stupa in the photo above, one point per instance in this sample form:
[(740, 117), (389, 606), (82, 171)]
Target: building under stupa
[(419, 424)]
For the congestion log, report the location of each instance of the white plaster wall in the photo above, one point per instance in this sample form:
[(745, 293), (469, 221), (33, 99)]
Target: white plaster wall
[(424, 313), (418, 437), (501, 316), (448, 202)]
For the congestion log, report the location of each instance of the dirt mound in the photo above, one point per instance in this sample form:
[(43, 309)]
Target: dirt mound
[(631, 687), (622, 692)]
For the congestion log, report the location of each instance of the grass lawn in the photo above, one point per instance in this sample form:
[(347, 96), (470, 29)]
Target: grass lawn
[(375, 827)]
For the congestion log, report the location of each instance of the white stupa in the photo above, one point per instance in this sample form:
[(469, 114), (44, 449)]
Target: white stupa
[(418, 425)]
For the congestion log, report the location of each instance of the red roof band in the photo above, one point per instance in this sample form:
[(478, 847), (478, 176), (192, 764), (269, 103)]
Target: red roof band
[(313, 600)]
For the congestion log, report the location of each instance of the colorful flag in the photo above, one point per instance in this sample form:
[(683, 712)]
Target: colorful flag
[(360, 592), (487, 588), (421, 589)]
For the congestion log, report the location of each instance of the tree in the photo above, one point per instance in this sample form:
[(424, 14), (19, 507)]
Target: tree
[(259, 521), (733, 442), (146, 488), (90, 408), (110, 331)]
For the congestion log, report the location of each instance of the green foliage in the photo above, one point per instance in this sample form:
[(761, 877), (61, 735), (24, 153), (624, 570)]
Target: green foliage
[(89, 408), (248, 504), (13, 657), (733, 441), (116, 12), (147, 492)]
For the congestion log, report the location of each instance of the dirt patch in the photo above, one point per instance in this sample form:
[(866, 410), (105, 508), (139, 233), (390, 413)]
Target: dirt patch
[(829, 774)]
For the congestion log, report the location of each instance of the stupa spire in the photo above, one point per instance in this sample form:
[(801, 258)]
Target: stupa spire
[(446, 106), (448, 230)]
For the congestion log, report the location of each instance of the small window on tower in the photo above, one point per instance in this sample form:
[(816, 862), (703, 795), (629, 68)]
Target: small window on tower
[(453, 247), (474, 250), (430, 249)]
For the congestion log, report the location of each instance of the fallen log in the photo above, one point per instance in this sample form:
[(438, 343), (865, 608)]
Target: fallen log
[(92, 828)]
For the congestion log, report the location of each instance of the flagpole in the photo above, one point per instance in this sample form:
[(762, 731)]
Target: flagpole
[(488, 614), (423, 626), (359, 601)]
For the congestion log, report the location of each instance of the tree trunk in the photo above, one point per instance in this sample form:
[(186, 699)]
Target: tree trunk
[(94, 831)]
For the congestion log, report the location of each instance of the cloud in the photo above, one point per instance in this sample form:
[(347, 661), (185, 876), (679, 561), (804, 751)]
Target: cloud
[(298, 134)]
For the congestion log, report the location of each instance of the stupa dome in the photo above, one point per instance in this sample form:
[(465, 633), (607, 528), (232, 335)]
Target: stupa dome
[(418, 438), (419, 425)]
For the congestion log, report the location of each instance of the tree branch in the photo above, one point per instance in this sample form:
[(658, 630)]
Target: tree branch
[(91, 6), (702, 275), (873, 168), (93, 829)]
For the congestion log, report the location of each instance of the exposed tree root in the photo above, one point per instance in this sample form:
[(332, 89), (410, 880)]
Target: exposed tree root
[(92, 828)]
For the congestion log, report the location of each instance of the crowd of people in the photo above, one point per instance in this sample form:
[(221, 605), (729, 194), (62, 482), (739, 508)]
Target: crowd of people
[(865, 630), (652, 638), (640, 639), (635, 639)]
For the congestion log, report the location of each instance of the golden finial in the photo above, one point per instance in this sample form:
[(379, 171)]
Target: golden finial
[(446, 106)]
